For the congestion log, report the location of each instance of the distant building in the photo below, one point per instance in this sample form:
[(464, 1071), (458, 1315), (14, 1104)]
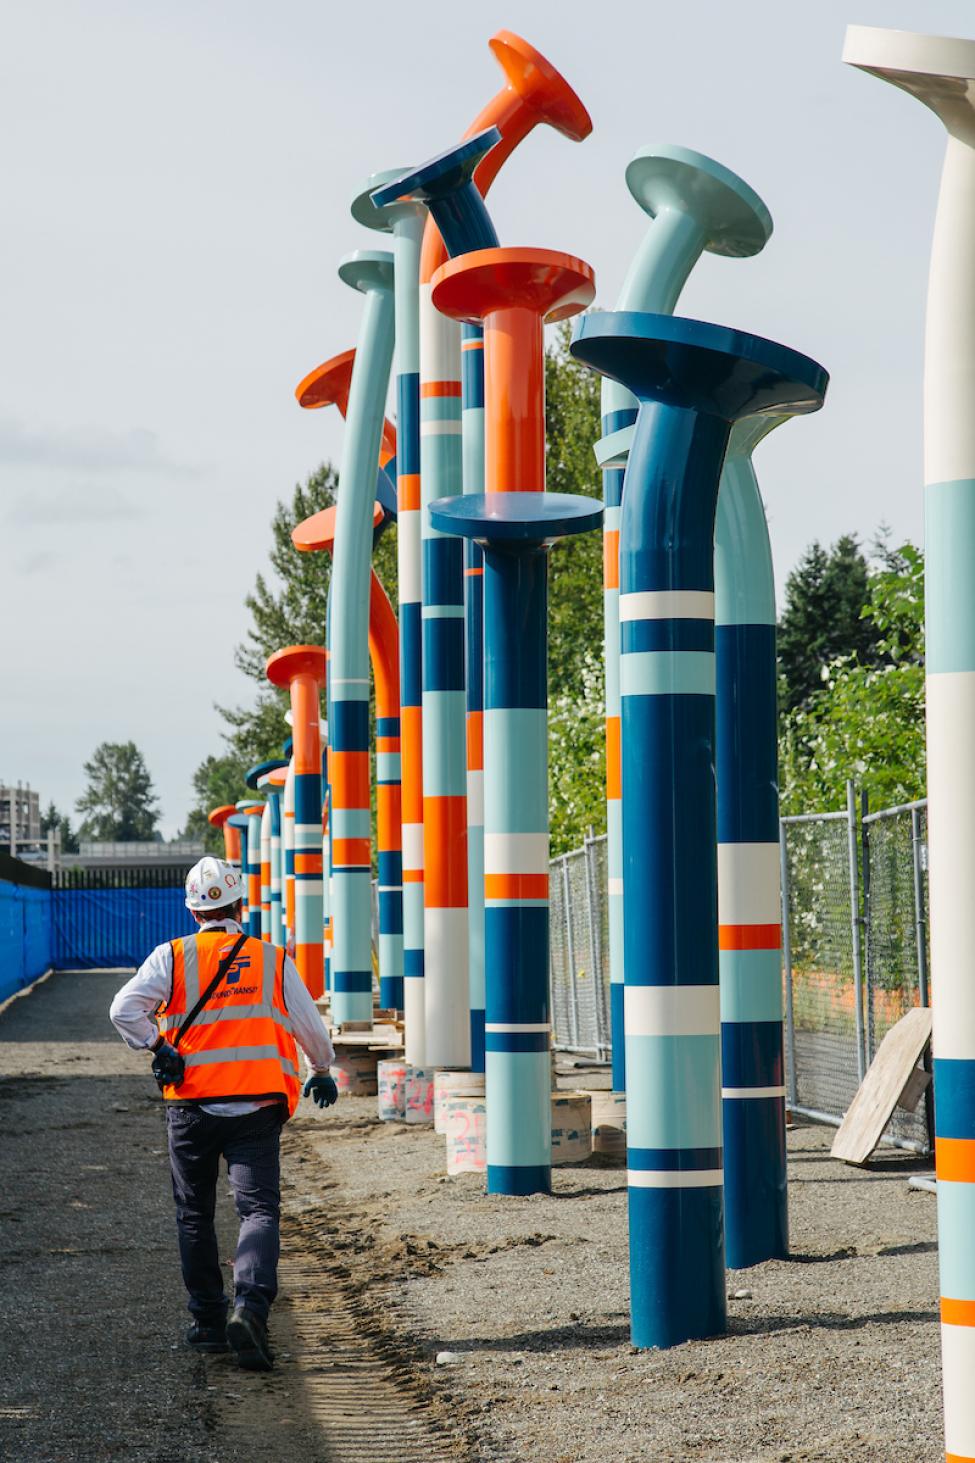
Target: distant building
[(20, 820), (134, 855)]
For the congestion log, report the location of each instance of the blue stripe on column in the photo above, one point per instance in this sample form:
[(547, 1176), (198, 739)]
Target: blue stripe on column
[(667, 673), (949, 542), (658, 1066), (521, 1107), (411, 633), (670, 1160), (755, 1189), (751, 1054), (408, 423), (673, 1294), (522, 934), (751, 985), (641, 635), (515, 740), (443, 571), (956, 1228), (954, 1097), (517, 1041), (351, 982), (444, 744), (348, 725), (746, 732), (443, 653)]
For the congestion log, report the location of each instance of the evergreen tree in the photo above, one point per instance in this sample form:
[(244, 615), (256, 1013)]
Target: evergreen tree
[(119, 803), (54, 821), (823, 618)]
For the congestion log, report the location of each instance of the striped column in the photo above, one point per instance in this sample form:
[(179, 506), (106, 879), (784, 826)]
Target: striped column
[(275, 789), (696, 205), (372, 274), (749, 905), (693, 380), (516, 530), (266, 871), (940, 72), (384, 653), (220, 818), (446, 186), (512, 291), (535, 93), (238, 821), (288, 856), (251, 846), (405, 221), (300, 669)]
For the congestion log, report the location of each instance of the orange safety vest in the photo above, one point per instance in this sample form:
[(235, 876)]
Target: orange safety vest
[(241, 1046)]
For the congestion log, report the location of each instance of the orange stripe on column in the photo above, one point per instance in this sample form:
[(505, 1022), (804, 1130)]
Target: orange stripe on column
[(475, 741), (445, 852), (749, 937), (349, 776), (954, 1160), (611, 559), (408, 491), (516, 886), (411, 738), (387, 744), (349, 853), (957, 1312), (388, 816), (308, 863), (614, 780), (439, 388)]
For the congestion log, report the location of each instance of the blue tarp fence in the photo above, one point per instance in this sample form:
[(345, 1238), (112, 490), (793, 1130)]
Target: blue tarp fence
[(83, 919), (25, 933), (98, 928)]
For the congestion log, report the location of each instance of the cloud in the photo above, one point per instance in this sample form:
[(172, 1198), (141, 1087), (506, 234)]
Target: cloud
[(84, 449), (87, 503)]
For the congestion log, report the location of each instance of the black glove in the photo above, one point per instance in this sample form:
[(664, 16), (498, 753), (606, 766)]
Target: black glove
[(167, 1065), (321, 1088)]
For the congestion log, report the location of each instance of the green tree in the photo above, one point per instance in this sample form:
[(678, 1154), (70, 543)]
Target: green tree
[(217, 780), (866, 721), (577, 753), (823, 618), (54, 821), (119, 803)]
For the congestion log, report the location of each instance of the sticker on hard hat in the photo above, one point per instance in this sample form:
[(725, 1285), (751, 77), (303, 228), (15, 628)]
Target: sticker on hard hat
[(214, 892)]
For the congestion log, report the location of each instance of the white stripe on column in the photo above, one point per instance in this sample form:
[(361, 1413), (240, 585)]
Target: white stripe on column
[(739, 1092), (691, 1178), (748, 884), (667, 604), (516, 853), (665, 1010)]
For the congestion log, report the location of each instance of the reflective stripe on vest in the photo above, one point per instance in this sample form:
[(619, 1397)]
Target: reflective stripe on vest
[(241, 1045)]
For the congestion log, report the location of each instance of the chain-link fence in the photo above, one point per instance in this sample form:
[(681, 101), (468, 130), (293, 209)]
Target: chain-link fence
[(854, 945)]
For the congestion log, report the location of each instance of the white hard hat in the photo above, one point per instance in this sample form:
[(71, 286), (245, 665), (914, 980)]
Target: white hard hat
[(211, 884)]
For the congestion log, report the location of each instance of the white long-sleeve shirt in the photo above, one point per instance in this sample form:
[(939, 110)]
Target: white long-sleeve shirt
[(152, 983)]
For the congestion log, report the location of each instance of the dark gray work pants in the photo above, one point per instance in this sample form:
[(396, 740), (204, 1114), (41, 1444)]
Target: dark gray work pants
[(251, 1146)]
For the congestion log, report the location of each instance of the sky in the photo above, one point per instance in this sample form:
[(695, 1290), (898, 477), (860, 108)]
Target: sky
[(177, 181)]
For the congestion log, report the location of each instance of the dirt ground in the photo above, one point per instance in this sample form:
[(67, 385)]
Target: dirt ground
[(831, 1355)]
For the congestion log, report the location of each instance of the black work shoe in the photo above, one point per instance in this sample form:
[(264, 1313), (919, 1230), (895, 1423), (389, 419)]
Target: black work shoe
[(207, 1338), (247, 1335)]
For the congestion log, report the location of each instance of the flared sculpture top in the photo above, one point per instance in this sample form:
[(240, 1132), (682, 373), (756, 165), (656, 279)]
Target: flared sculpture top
[(278, 776), (536, 81), (442, 175), (328, 384), (732, 218), (255, 776), (516, 518), (550, 284), (367, 269), (366, 212), (318, 532), (296, 660), (701, 367), (938, 70), (219, 816), (250, 805)]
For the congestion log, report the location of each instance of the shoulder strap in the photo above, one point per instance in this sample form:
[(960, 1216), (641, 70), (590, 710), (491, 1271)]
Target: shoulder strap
[(225, 965)]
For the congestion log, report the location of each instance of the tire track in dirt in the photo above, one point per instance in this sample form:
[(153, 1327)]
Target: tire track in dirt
[(348, 1385)]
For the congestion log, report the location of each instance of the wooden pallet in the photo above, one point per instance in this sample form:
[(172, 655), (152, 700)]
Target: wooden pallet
[(891, 1080)]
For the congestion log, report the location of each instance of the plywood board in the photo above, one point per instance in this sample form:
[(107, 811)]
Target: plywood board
[(890, 1072)]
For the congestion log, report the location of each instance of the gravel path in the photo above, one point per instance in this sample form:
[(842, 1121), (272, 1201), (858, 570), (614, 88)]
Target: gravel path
[(832, 1355)]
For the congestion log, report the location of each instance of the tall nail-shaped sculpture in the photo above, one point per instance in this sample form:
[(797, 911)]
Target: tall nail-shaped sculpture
[(940, 72), (693, 380), (274, 789), (515, 531), (512, 292), (300, 670), (220, 818), (534, 94), (251, 848), (749, 906), (351, 975), (696, 205), (446, 186), (257, 779), (405, 221), (318, 533), (288, 855)]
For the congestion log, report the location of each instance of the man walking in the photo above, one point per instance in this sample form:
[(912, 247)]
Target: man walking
[(227, 1012)]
